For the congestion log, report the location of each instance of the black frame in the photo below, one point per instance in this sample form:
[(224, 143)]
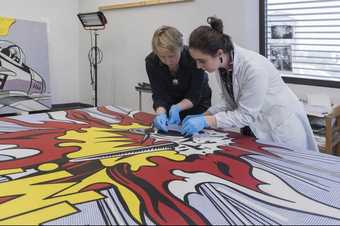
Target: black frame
[(263, 51)]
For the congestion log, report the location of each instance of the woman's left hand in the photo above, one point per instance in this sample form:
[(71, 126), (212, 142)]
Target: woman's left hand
[(174, 114)]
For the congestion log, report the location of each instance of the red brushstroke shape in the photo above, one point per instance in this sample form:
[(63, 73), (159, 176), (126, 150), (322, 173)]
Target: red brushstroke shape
[(140, 117), (244, 145), (8, 198)]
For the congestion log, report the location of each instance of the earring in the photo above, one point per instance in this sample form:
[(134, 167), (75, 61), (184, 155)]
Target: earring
[(221, 59)]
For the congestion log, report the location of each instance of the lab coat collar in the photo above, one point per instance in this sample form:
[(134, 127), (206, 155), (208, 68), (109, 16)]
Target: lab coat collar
[(236, 68), (236, 65)]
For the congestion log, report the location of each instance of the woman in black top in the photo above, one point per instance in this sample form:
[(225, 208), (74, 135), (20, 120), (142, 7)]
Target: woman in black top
[(178, 87)]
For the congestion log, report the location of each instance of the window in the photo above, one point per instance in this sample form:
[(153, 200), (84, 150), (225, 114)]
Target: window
[(302, 39)]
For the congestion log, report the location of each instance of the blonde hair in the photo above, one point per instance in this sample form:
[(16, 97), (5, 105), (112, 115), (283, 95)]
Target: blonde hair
[(167, 37)]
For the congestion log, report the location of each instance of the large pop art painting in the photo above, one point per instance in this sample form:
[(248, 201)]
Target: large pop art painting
[(107, 166), (24, 72)]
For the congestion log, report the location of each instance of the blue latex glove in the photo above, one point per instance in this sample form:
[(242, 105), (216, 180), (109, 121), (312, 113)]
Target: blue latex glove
[(189, 117), (161, 122), (174, 114), (193, 124)]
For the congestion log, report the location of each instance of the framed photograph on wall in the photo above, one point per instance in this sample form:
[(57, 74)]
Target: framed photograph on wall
[(282, 32), (281, 57)]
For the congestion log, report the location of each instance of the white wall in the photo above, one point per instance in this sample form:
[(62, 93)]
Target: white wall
[(127, 40), (63, 40)]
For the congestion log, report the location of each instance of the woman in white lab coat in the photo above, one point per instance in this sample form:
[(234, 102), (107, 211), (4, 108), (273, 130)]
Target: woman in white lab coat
[(253, 92)]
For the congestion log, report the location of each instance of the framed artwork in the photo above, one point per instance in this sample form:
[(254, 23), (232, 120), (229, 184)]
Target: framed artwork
[(133, 4), (24, 69)]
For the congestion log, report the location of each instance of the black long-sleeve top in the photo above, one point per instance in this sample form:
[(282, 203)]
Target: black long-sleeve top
[(189, 82)]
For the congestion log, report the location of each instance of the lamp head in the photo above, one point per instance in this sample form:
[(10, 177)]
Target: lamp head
[(93, 20)]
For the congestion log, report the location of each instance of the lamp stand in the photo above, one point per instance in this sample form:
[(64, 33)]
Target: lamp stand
[(95, 67)]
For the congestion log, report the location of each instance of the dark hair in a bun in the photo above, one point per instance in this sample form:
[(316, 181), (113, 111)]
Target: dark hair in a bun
[(215, 23), (210, 39)]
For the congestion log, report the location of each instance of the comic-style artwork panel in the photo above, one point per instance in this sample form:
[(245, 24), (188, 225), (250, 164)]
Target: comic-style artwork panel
[(24, 69), (107, 166)]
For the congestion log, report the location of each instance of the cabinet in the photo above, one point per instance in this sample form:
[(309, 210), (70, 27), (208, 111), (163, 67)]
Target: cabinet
[(326, 129)]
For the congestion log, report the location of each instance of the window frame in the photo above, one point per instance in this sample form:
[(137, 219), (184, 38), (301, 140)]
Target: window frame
[(292, 80)]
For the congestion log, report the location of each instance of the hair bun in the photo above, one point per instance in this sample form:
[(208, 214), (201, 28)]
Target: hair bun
[(215, 24)]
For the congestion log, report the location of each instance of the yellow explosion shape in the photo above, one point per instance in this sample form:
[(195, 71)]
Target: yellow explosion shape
[(5, 24)]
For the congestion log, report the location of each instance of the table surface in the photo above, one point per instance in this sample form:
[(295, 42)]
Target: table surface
[(104, 165)]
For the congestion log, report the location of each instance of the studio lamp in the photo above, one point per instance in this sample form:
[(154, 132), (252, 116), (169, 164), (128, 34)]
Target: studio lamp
[(93, 22)]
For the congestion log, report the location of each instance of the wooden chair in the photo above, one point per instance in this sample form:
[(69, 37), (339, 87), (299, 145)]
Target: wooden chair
[(332, 132)]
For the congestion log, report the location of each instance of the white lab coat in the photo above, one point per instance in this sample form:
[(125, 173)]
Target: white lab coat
[(264, 103)]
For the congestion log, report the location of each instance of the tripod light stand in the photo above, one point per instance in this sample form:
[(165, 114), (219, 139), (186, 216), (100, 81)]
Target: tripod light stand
[(94, 21)]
